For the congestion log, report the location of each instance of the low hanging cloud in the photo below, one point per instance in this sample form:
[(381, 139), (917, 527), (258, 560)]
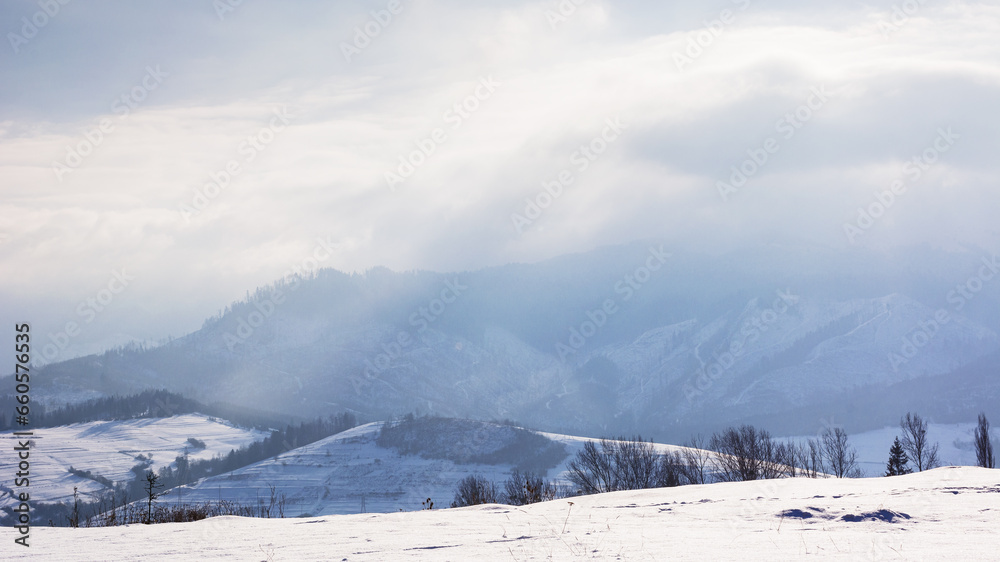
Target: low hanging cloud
[(206, 149)]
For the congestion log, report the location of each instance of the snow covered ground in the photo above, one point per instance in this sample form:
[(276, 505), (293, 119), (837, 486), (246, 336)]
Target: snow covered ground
[(111, 448), (947, 513)]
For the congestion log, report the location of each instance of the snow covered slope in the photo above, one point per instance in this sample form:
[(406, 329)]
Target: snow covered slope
[(944, 514), (349, 473), (111, 448)]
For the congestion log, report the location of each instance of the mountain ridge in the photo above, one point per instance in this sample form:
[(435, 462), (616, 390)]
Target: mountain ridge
[(493, 343)]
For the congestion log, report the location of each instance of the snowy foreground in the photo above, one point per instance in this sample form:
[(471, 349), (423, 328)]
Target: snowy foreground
[(947, 513)]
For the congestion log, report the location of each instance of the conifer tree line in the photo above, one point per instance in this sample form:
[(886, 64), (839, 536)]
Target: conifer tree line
[(145, 404)]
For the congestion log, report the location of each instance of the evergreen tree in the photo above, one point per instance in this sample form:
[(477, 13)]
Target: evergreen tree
[(897, 460)]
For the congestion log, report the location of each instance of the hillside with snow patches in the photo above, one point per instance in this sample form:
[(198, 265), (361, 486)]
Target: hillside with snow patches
[(345, 473), (111, 448), (943, 514), (350, 473)]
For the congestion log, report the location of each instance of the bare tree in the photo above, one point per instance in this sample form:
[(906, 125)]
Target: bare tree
[(592, 470), (816, 456), (152, 488), (984, 447), (475, 490), (670, 471), (915, 442), (696, 459), (736, 454), (784, 458), (841, 458), (637, 464), (809, 458), (746, 453), (523, 488), (622, 464)]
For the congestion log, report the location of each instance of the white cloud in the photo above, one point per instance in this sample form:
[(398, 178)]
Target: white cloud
[(324, 175)]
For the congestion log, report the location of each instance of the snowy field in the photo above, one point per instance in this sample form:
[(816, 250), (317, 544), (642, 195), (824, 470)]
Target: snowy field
[(111, 448), (943, 514)]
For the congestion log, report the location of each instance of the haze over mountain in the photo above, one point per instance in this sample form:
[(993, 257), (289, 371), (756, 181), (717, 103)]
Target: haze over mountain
[(642, 337), (116, 138)]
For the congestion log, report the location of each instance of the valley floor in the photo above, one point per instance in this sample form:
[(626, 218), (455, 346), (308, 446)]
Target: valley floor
[(948, 513)]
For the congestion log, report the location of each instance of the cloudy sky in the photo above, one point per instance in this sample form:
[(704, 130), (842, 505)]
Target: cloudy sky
[(162, 158)]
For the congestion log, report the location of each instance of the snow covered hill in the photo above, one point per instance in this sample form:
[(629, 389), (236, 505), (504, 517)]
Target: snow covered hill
[(344, 473), (943, 514), (110, 449), (350, 473)]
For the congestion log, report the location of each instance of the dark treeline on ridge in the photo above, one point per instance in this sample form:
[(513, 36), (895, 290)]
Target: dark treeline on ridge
[(145, 404)]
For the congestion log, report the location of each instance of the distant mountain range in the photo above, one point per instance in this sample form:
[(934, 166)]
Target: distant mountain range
[(641, 337)]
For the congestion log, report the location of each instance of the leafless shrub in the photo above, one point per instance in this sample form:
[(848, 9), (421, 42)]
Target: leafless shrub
[(523, 488), (475, 490), (747, 453), (623, 464)]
